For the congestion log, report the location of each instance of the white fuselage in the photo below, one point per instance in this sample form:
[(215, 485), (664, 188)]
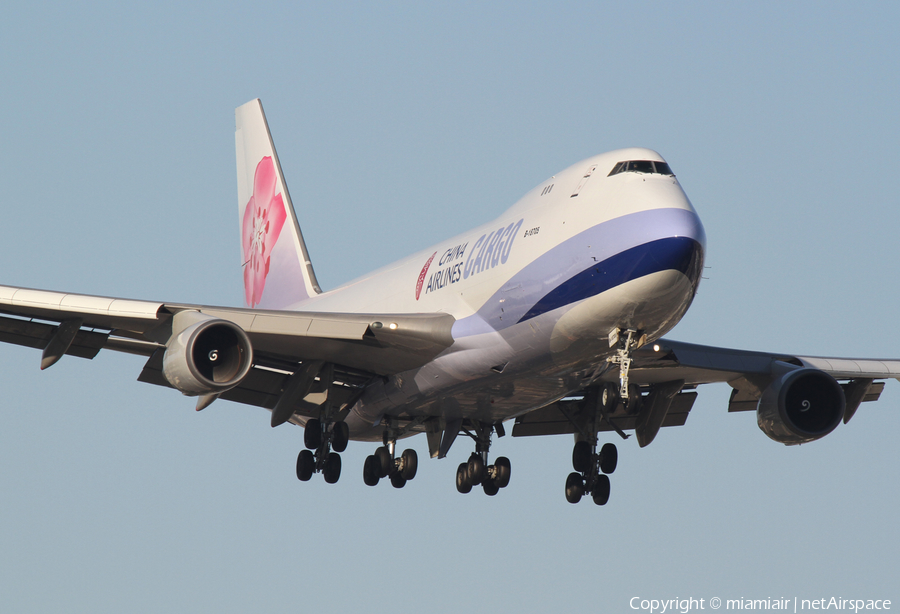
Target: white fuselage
[(536, 292)]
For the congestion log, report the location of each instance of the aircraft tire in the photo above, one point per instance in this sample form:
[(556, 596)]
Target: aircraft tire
[(340, 436), (397, 480), (385, 462), (609, 397), (306, 465), (490, 487), (463, 485), (410, 462), (601, 490), (503, 471), (634, 399), (371, 471), (609, 458), (312, 434), (581, 456), (574, 487), (476, 469), (332, 469)]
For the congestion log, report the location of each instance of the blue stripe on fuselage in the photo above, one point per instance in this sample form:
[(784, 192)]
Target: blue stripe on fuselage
[(682, 254), (583, 252)]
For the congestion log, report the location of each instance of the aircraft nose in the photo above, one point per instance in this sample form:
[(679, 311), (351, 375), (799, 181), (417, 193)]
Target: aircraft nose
[(684, 254), (686, 248), (679, 246)]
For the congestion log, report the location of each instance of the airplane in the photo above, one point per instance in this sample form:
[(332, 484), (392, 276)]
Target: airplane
[(551, 317)]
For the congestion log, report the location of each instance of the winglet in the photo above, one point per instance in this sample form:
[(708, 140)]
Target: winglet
[(276, 266)]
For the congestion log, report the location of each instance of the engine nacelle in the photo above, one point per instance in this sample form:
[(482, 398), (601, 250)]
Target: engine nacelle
[(800, 406), (207, 356)]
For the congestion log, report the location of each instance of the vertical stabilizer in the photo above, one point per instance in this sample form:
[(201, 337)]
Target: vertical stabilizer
[(276, 266)]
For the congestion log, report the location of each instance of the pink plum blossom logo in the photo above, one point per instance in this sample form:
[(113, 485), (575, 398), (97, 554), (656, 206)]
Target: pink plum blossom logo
[(264, 216), (421, 281)]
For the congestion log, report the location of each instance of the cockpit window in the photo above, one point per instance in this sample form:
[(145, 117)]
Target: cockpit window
[(641, 166)]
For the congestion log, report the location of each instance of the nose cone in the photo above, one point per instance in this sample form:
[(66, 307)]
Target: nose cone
[(693, 256), (683, 254), (685, 249), (673, 236)]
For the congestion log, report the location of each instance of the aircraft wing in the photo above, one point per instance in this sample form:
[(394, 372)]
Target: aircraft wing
[(668, 360), (361, 346), (670, 371)]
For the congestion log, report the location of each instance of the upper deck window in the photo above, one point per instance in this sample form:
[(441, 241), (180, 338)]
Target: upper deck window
[(641, 166)]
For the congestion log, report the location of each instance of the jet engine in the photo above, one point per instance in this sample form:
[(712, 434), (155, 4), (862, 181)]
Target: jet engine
[(800, 406), (208, 355)]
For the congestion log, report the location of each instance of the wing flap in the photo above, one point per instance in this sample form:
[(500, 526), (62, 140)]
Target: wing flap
[(37, 335), (874, 392), (553, 420), (262, 386)]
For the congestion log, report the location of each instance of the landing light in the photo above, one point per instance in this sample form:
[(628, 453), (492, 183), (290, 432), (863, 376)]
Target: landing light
[(656, 347), (378, 325)]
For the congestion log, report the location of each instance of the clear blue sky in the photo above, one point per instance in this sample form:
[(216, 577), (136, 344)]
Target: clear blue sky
[(398, 125)]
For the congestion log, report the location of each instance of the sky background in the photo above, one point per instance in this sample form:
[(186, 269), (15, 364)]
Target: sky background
[(399, 125)]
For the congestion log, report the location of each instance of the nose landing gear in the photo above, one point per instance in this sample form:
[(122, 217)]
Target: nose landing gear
[(626, 341)]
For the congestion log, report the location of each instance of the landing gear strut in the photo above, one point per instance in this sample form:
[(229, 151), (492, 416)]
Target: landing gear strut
[(626, 341), (477, 470), (385, 464), (592, 468), (324, 435)]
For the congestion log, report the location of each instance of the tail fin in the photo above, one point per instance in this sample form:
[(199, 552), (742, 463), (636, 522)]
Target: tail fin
[(277, 270)]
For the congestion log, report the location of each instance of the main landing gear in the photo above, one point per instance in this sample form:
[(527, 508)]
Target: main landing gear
[(323, 442), (385, 464), (591, 471), (476, 470)]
